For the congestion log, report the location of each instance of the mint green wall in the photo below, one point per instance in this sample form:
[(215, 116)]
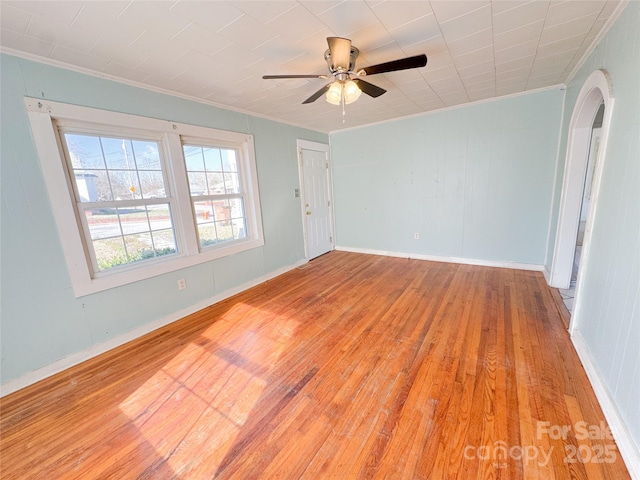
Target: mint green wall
[(475, 182), (41, 320), (609, 317)]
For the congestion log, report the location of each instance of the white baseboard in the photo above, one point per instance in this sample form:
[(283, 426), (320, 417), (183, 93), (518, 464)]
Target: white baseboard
[(437, 258), (628, 449), (95, 350), (547, 274)]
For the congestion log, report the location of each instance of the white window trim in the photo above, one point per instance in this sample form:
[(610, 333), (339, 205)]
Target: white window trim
[(43, 115)]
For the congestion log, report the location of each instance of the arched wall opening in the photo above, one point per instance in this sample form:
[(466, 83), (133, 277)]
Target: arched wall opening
[(595, 92)]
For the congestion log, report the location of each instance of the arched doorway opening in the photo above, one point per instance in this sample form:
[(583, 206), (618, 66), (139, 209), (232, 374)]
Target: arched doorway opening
[(595, 93)]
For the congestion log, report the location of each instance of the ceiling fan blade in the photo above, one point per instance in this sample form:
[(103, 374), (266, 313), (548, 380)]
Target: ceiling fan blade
[(318, 94), (395, 65), (369, 88), (340, 49), (274, 77)]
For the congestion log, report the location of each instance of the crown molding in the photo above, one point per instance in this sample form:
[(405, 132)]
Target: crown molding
[(558, 86), (596, 41)]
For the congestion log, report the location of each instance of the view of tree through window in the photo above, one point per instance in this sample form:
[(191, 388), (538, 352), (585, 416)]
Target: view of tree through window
[(216, 194), (121, 193)]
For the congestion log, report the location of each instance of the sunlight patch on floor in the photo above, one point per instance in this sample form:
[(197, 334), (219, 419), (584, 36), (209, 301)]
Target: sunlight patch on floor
[(203, 397)]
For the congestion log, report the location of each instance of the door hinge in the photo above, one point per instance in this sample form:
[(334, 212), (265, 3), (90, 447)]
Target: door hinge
[(330, 239), (327, 165), (328, 203)]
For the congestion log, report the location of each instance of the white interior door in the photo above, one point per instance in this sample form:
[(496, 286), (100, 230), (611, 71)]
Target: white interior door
[(316, 198)]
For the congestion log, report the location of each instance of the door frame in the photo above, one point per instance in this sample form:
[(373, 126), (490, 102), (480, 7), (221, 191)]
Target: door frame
[(318, 147), (595, 91)]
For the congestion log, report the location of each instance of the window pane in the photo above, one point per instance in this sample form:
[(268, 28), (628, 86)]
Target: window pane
[(229, 163), (133, 220), (93, 186), (118, 153), (237, 208), (164, 242), (85, 151), (231, 183), (139, 247), (239, 228), (197, 183), (109, 253), (212, 159), (224, 231), (124, 184), (215, 181), (221, 210), (204, 211), (159, 216), (193, 158), (146, 155), (103, 223), (152, 184), (207, 234)]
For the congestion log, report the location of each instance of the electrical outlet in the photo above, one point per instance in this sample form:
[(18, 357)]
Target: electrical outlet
[(416, 236), (182, 284)]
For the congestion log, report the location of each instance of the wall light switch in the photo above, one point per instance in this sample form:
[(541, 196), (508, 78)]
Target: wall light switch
[(416, 236)]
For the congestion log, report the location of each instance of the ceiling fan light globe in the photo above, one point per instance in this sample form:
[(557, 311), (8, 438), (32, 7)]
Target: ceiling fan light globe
[(334, 94), (351, 92)]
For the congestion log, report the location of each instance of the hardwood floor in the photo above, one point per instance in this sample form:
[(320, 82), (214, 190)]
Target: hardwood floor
[(356, 366)]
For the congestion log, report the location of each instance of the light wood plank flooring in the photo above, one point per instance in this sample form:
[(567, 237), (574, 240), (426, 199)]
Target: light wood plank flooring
[(356, 366)]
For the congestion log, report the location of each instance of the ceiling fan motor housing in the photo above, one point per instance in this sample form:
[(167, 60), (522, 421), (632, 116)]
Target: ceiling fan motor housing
[(337, 70)]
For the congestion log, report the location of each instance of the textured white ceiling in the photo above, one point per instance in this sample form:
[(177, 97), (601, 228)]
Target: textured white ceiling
[(217, 51)]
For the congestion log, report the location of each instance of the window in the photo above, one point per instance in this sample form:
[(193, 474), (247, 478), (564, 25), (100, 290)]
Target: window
[(135, 197), (120, 195), (216, 193)]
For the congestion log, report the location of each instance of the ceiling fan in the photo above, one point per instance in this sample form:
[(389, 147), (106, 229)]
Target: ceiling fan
[(348, 84)]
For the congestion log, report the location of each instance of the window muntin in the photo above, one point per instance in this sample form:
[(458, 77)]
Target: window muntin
[(120, 193), (218, 199)]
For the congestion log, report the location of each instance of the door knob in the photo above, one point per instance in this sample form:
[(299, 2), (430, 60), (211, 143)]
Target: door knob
[(308, 213)]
